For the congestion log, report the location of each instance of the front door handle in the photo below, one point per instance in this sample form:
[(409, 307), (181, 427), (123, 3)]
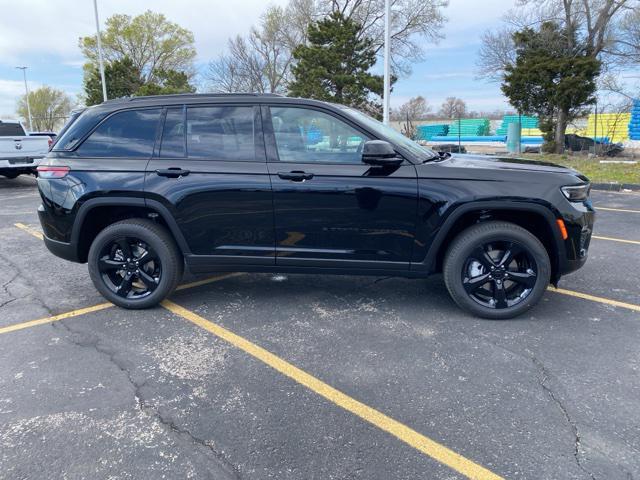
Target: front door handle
[(173, 172), (295, 176)]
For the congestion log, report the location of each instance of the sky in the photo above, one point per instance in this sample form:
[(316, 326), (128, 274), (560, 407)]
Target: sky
[(43, 35)]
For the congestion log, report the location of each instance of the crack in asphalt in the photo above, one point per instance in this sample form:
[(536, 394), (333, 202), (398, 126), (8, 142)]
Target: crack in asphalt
[(543, 379), (94, 342), (5, 287), (19, 272)]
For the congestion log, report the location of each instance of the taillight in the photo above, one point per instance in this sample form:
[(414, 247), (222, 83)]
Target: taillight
[(47, 171)]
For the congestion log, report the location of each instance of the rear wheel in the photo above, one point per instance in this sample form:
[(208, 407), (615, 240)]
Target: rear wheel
[(135, 263), (496, 270)]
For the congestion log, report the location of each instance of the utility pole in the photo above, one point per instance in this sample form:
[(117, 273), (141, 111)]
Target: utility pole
[(387, 61), (26, 89), (101, 62)]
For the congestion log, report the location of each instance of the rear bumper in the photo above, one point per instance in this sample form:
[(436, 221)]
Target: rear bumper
[(65, 250), (62, 249), (20, 163)]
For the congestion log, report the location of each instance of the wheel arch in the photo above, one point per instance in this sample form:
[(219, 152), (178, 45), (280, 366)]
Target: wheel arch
[(538, 219), (97, 213)]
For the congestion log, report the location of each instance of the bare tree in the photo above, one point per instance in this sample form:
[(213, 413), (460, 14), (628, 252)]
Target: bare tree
[(626, 49), (415, 108), (261, 61), (412, 22), (453, 107), (591, 24), (496, 53)]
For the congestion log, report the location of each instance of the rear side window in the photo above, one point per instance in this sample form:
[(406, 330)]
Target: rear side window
[(221, 133), (172, 144), (11, 130), (125, 134)]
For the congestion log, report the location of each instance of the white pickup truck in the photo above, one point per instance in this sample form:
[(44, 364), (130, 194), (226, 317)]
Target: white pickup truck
[(19, 152)]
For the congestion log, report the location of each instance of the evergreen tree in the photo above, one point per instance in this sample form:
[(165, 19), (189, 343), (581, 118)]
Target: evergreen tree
[(553, 77), (334, 65), (123, 80), (121, 76)]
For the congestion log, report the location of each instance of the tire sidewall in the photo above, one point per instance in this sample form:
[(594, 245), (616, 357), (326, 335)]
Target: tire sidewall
[(170, 271), (477, 235)]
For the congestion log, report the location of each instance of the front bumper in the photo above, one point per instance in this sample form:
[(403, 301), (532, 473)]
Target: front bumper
[(579, 228)]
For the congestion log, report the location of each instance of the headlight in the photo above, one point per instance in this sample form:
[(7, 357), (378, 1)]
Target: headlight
[(577, 193)]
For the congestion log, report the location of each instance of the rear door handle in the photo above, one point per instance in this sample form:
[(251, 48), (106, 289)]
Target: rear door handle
[(173, 172), (295, 176)]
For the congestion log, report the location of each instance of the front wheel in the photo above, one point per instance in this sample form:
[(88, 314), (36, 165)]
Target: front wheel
[(135, 263), (496, 270)]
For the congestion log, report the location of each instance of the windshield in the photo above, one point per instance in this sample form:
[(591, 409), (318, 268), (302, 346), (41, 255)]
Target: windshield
[(395, 137)]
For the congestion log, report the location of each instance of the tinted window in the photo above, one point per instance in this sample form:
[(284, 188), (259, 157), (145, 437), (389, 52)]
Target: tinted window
[(220, 133), (172, 144), (11, 130), (305, 135), (125, 134)]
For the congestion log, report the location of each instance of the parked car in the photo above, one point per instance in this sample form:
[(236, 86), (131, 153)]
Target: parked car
[(140, 188), (20, 152)]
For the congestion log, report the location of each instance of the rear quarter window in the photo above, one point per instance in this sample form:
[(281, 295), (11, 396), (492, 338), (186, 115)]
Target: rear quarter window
[(129, 134)]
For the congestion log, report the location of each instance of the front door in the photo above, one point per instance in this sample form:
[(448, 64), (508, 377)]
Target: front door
[(332, 210), (211, 173)]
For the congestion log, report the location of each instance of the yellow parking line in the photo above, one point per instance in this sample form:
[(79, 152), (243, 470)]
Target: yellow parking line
[(621, 240), (29, 230), (206, 281), (609, 209), (95, 308), (593, 298), (416, 440), (55, 318)]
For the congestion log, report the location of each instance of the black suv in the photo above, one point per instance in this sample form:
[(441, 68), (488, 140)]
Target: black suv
[(142, 187)]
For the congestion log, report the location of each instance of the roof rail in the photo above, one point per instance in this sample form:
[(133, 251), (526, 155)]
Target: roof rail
[(195, 95)]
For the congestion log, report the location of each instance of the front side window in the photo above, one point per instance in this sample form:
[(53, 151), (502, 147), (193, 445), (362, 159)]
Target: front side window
[(131, 134), (221, 133), (305, 135)]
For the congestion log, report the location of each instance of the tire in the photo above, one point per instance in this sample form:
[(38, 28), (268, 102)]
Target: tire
[(153, 272), (496, 286), (10, 176)]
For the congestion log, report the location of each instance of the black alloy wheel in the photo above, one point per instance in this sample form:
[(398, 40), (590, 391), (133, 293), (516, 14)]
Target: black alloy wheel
[(130, 267), (499, 274), (496, 270), (135, 263)]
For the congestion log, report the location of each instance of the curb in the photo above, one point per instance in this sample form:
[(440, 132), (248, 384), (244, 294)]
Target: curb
[(616, 187)]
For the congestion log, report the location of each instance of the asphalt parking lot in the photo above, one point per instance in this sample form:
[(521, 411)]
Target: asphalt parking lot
[(253, 376)]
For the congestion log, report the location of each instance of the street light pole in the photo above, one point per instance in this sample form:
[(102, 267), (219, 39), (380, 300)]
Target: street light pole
[(387, 61), (104, 83), (26, 89)]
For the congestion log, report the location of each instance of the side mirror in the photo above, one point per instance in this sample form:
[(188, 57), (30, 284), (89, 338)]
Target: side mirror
[(380, 153)]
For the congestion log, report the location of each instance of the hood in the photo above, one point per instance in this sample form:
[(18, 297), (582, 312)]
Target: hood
[(504, 163)]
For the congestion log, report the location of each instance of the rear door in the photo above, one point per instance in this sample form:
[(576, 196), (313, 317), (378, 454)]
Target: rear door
[(331, 209), (210, 171)]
